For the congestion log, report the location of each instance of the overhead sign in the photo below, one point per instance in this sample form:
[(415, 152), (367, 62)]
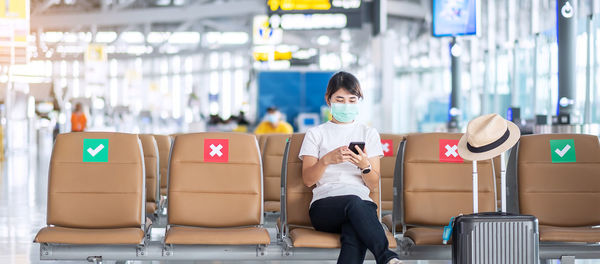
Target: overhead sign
[(265, 34), (96, 65), (312, 5), (314, 14), (14, 28), (264, 56)]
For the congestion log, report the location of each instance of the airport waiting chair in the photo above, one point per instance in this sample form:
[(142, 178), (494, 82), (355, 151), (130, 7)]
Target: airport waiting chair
[(164, 149), (298, 232), (559, 185), (151, 162), (430, 192), (272, 158), (496, 166), (388, 164), (262, 140), (96, 191), (215, 194)]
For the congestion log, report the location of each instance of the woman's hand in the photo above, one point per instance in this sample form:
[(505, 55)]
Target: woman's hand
[(337, 156), (313, 168), (361, 160)]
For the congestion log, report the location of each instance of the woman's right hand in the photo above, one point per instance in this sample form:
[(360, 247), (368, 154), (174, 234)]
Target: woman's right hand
[(337, 156)]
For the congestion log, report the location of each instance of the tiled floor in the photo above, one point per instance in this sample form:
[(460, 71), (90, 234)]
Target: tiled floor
[(23, 189)]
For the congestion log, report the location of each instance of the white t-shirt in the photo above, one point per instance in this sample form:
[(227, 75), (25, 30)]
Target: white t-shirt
[(344, 178)]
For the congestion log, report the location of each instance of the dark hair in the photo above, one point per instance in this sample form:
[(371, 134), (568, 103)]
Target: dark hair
[(272, 109), (343, 80)]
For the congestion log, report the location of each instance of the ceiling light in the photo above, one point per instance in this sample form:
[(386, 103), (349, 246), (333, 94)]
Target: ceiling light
[(132, 37), (52, 36), (323, 40), (226, 38), (106, 36), (184, 38), (157, 37), (70, 38)]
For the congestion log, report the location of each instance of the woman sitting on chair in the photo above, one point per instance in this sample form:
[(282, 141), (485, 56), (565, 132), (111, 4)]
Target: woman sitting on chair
[(343, 179)]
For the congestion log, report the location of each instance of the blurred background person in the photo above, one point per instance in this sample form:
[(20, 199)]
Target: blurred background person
[(242, 123), (78, 119), (273, 123)]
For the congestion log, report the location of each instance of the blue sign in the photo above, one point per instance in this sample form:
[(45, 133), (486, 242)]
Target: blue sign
[(455, 17)]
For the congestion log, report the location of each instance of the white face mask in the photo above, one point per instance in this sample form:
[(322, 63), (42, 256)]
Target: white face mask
[(272, 118)]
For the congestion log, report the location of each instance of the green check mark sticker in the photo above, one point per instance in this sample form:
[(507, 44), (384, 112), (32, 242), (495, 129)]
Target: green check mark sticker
[(95, 150), (562, 150)]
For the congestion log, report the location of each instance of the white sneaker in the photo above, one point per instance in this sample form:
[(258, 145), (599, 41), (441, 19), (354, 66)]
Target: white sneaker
[(394, 261)]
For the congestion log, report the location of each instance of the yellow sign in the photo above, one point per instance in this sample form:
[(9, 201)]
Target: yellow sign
[(16, 13), (289, 5), (13, 9), (264, 56), (95, 53)]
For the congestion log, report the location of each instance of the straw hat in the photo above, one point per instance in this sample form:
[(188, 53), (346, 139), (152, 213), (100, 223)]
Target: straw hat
[(488, 136)]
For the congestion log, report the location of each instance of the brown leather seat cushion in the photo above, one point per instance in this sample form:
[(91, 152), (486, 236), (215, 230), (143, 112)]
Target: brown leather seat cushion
[(63, 235), (307, 237), (387, 221), (387, 205), (272, 157), (560, 194), (425, 235), (163, 142), (150, 207), (569, 234), (95, 195), (215, 194), (435, 191), (151, 163), (388, 165), (262, 139), (272, 206), (217, 236)]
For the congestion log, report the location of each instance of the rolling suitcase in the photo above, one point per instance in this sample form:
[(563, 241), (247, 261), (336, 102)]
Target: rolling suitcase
[(494, 238)]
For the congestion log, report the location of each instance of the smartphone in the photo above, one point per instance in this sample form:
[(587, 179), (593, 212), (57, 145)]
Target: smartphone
[(352, 147)]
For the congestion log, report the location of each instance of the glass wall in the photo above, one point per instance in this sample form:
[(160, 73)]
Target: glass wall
[(521, 73)]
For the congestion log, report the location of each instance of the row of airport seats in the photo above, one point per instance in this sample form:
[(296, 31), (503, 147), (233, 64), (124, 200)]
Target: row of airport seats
[(222, 203), (105, 202), (564, 196)]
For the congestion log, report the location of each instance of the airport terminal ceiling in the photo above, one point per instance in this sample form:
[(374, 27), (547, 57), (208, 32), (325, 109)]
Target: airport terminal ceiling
[(184, 60)]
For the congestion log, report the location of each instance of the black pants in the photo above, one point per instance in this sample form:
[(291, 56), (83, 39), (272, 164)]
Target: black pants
[(357, 221)]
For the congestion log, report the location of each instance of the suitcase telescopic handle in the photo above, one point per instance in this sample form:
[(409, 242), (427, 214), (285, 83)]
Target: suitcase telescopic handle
[(502, 185), (502, 182), (475, 189)]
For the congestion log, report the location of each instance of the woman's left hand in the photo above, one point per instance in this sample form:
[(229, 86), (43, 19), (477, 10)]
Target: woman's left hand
[(361, 160)]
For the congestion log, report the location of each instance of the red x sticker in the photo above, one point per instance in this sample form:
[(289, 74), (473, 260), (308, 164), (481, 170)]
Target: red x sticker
[(449, 151), (388, 147), (216, 150)]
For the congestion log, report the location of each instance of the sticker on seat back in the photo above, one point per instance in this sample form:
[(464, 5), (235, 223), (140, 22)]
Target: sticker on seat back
[(562, 150), (216, 150), (449, 151), (387, 145), (95, 150)]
